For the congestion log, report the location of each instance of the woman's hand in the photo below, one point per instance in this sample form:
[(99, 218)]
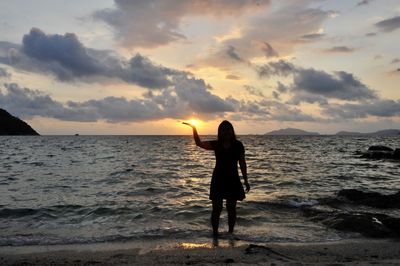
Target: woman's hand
[(247, 186), (189, 124)]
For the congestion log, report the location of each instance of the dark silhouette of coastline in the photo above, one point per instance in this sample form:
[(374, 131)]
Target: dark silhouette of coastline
[(11, 125)]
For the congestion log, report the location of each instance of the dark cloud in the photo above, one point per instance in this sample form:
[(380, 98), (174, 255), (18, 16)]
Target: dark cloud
[(378, 108), (26, 103), (254, 91), (4, 73), (65, 50), (277, 28), (189, 97), (133, 26), (276, 95), (364, 2), (276, 68), (197, 96), (304, 96), (312, 36), (371, 34), (395, 61), (233, 77), (281, 87), (389, 25), (312, 85), (341, 85), (269, 51), (340, 49), (231, 52), (142, 71), (65, 57), (284, 112)]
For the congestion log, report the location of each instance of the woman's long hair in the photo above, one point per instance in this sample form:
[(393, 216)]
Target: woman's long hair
[(226, 124)]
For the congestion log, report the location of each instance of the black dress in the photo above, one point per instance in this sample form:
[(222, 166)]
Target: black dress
[(225, 182)]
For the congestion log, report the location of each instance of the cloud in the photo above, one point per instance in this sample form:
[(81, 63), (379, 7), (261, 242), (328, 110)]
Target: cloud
[(4, 73), (232, 77), (254, 91), (377, 108), (231, 52), (340, 49), (395, 61), (276, 68), (134, 27), (312, 36), (284, 112), (189, 97), (341, 85), (65, 57), (312, 85), (389, 25), (273, 32), (27, 103), (269, 51), (364, 2), (371, 34), (65, 50)]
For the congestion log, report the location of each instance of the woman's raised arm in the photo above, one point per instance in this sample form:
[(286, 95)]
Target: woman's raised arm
[(202, 144)]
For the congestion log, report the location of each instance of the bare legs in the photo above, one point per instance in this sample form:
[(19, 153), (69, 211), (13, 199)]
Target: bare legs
[(216, 212), (231, 208)]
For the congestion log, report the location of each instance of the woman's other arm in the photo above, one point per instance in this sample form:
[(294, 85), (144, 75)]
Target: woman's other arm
[(243, 168)]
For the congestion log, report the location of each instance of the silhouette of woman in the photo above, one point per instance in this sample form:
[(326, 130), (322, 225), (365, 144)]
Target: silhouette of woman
[(225, 182)]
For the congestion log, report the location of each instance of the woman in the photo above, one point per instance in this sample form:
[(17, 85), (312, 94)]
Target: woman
[(225, 182)]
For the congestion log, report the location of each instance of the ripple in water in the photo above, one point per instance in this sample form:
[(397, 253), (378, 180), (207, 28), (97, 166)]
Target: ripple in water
[(86, 189)]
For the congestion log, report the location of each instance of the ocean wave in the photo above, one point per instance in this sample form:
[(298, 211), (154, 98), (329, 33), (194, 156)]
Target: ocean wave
[(60, 211), (149, 234)]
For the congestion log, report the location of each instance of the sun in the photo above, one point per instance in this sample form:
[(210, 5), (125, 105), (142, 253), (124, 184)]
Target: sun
[(194, 122)]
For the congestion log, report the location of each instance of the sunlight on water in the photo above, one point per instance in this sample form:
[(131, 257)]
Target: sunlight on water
[(85, 189), (188, 245)]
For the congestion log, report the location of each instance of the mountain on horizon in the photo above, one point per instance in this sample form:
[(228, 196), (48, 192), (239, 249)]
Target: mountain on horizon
[(11, 125), (291, 132), (384, 132)]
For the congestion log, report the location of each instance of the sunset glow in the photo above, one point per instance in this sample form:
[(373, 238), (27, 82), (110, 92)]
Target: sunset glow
[(131, 67)]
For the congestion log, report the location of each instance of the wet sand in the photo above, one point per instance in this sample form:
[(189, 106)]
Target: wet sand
[(352, 252)]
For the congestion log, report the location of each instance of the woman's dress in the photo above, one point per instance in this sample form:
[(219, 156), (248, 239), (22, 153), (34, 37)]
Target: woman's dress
[(225, 182)]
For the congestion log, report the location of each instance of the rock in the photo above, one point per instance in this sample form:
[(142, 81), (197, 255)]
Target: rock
[(373, 199), (396, 154), (379, 148), (361, 223), (10, 125), (381, 152)]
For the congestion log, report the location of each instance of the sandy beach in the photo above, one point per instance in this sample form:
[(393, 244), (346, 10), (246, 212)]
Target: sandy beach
[(351, 252)]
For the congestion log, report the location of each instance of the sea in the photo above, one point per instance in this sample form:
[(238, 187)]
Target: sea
[(57, 190)]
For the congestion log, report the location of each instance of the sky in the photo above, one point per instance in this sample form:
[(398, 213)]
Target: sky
[(142, 66)]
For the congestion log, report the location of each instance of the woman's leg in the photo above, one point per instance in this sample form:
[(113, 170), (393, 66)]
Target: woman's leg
[(216, 212), (231, 207)]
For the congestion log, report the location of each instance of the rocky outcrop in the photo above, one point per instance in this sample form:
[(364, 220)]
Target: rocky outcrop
[(11, 125), (373, 199), (381, 152)]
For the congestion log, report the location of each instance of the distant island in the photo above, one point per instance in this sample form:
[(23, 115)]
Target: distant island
[(291, 132), (296, 131), (385, 132), (11, 125)]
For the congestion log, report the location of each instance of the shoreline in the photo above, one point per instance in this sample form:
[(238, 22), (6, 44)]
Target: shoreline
[(345, 252)]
